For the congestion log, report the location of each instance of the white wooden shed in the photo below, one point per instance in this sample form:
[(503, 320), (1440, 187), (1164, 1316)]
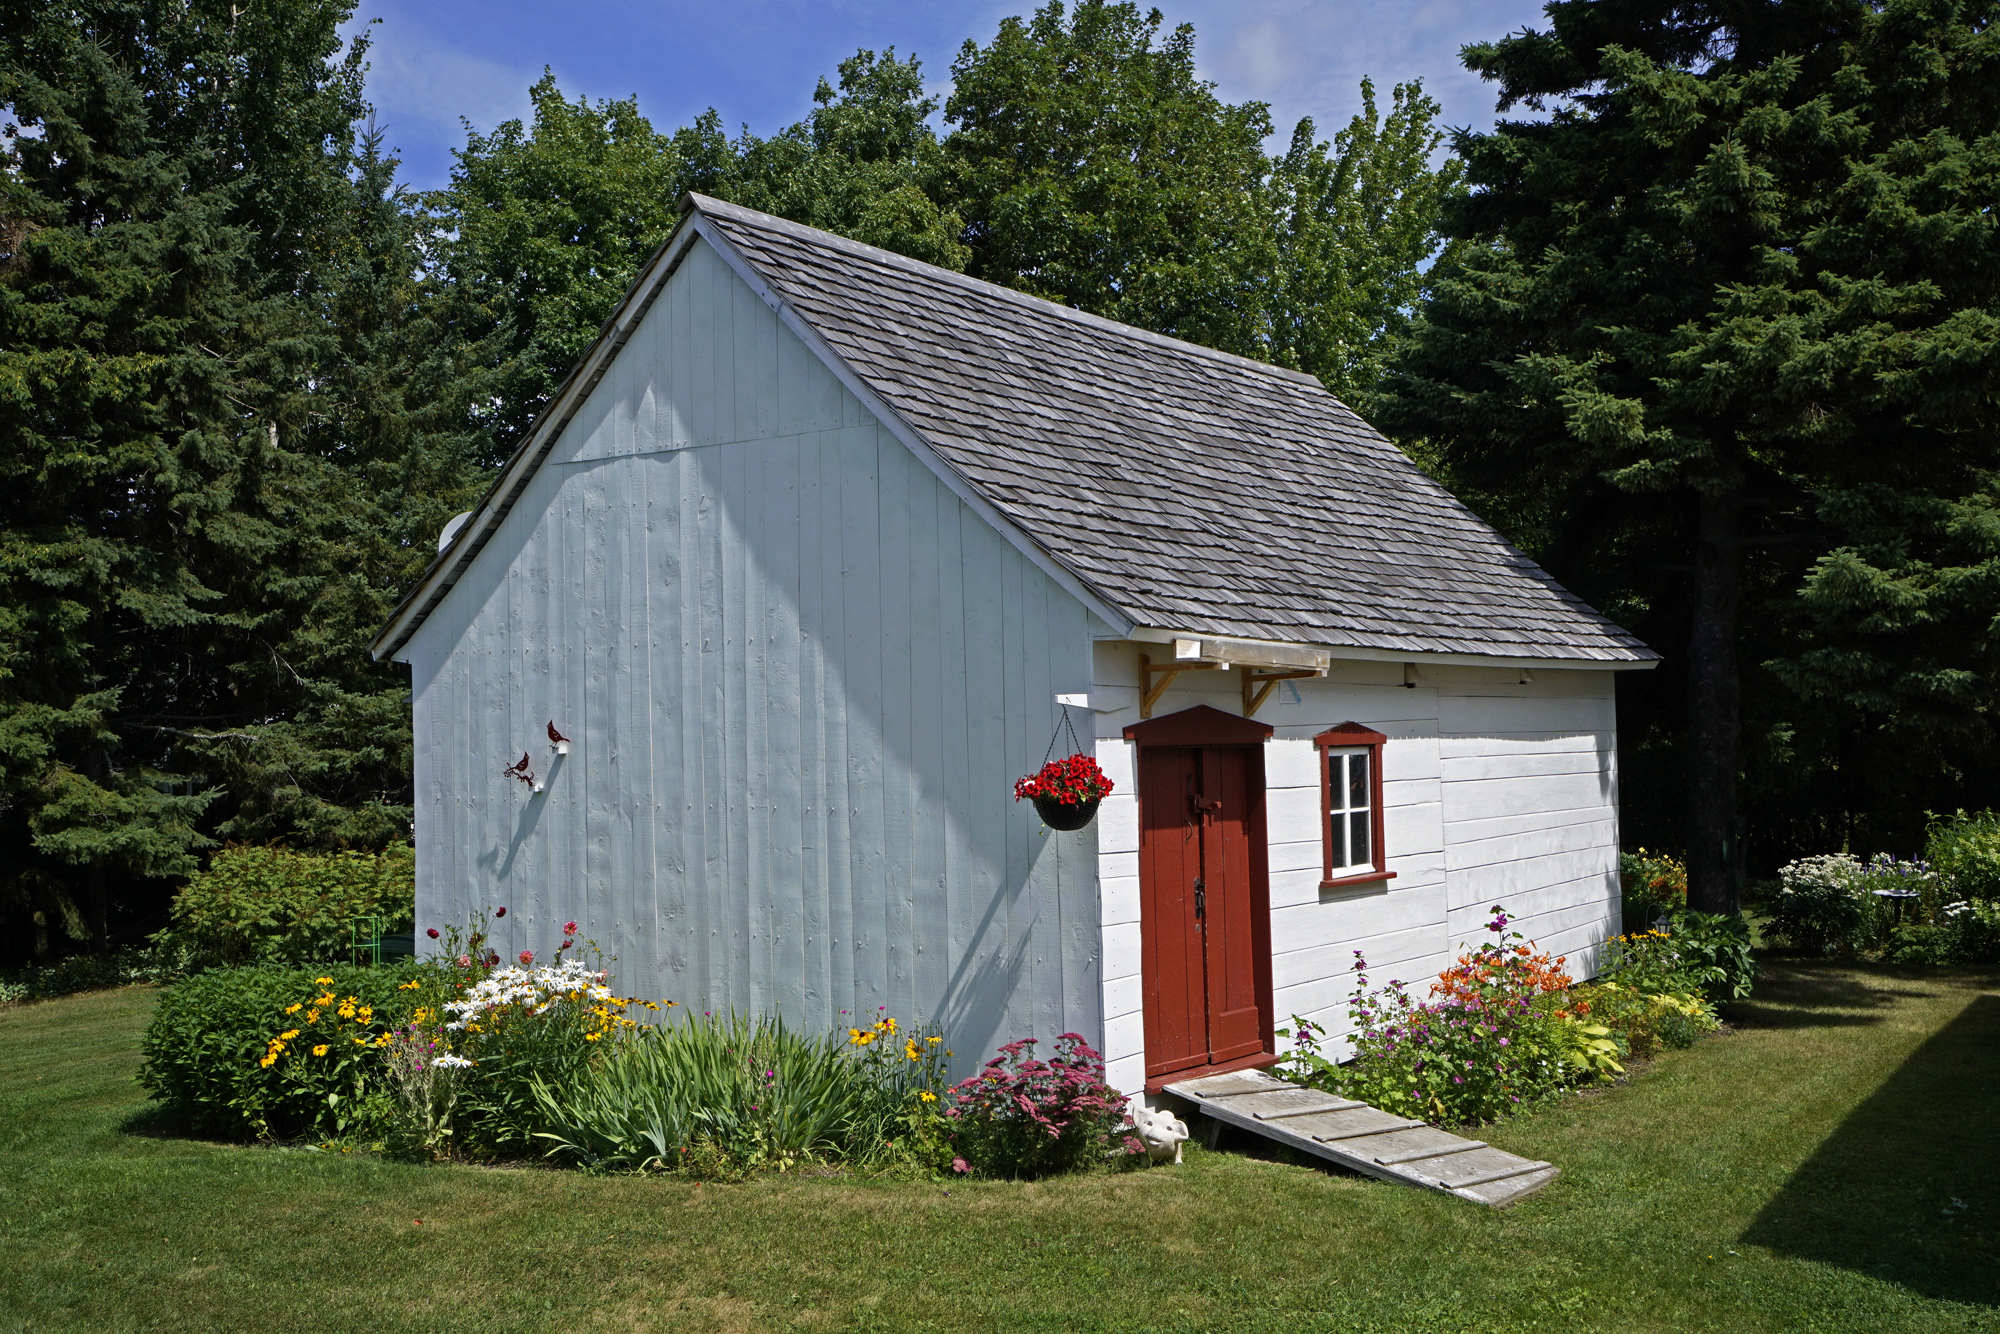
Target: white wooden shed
[(802, 558)]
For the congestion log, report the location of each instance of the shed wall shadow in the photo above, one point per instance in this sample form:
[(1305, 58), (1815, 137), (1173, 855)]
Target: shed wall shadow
[(1877, 1195)]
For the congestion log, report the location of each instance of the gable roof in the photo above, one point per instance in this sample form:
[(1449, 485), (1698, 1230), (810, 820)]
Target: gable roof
[(1188, 489)]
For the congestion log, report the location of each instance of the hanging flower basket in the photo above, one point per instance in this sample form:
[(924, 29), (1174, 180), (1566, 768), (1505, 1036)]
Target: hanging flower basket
[(1065, 791)]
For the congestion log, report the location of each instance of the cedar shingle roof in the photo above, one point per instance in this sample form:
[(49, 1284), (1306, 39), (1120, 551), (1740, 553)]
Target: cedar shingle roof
[(1193, 490)]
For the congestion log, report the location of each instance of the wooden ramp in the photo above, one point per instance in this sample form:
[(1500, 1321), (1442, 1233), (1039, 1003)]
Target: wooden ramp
[(1360, 1137)]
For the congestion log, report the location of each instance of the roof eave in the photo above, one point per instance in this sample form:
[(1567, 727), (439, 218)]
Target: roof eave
[(1618, 658)]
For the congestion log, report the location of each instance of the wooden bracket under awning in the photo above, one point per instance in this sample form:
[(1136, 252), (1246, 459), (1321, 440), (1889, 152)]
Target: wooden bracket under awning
[(1257, 686), (1150, 692)]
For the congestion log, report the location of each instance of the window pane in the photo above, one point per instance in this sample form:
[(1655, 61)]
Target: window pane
[(1337, 835), (1336, 771), (1357, 781), (1358, 842)]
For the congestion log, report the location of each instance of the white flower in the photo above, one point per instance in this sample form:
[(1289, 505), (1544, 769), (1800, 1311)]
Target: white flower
[(451, 1062)]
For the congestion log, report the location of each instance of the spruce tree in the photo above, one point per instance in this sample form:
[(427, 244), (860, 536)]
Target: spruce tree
[(1724, 327), (211, 485)]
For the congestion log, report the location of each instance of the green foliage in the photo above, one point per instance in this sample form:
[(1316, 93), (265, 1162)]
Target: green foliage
[(1727, 311), (1657, 962), (271, 904), (1965, 851), (1653, 879), (1497, 1039), (499, 1113), (542, 229), (212, 488), (1643, 1023), (1715, 946), (864, 164), (1095, 168), (721, 1096), (1340, 306), (215, 1058), (90, 972)]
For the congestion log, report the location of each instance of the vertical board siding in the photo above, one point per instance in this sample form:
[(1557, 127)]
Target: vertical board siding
[(801, 677), (1492, 792)]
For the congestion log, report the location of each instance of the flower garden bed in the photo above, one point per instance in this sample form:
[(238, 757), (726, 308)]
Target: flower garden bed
[(464, 1056)]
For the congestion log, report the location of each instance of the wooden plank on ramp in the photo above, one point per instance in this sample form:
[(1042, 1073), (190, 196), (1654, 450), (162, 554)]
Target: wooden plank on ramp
[(1365, 1139)]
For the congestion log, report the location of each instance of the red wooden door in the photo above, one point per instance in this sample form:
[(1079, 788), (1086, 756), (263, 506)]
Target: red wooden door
[(1199, 905)]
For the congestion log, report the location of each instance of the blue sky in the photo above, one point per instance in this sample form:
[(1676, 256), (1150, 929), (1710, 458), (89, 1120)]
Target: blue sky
[(757, 61)]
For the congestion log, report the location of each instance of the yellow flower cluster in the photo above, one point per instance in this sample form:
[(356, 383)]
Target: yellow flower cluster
[(339, 1011), (881, 1028), (599, 1021)]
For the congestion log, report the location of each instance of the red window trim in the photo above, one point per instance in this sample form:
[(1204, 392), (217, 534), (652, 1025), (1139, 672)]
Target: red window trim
[(1348, 736)]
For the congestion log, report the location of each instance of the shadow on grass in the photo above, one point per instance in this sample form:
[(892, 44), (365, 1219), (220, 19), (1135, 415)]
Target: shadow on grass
[(152, 1120), (1907, 1189), (1790, 998)]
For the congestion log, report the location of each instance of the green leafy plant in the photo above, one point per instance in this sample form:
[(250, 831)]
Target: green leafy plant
[(1657, 962), (275, 905), (1818, 908), (1497, 1037), (1641, 1022), (1653, 879), (1965, 851), (1715, 946)]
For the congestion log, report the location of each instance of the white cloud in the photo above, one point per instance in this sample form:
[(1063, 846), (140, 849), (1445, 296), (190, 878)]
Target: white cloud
[(421, 83), (1308, 57), (1260, 58)]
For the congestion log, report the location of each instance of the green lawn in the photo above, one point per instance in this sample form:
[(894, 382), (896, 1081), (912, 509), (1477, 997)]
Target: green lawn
[(1828, 1166)]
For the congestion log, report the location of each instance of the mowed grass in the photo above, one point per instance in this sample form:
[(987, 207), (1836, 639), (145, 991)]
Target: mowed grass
[(1828, 1166)]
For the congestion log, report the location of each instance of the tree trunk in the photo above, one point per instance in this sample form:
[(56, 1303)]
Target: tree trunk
[(100, 909), (1715, 721)]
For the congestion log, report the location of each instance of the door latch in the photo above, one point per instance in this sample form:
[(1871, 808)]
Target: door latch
[(1200, 899)]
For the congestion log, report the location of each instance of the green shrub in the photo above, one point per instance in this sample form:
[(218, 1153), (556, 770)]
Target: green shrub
[(273, 905), (1653, 880), (1496, 1038), (87, 972), (522, 1027), (1819, 908), (1645, 1022), (1965, 851), (218, 1056), (1664, 962), (1714, 946), (1965, 932)]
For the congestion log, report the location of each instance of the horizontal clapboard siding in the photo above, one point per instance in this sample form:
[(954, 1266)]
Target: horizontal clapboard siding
[(1531, 807), (801, 676)]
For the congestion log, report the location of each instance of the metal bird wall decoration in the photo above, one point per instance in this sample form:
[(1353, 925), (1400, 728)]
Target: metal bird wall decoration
[(521, 771), (557, 739)]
